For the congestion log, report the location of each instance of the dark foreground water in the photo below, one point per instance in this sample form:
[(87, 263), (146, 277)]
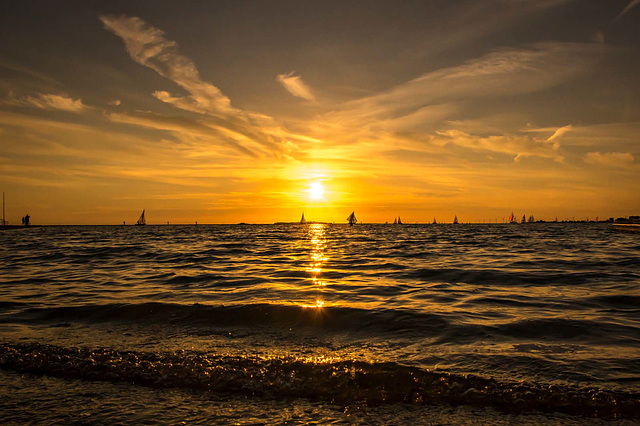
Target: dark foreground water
[(320, 323)]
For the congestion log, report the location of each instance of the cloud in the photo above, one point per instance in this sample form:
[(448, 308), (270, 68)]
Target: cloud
[(48, 101), (505, 72), (631, 5), (422, 113), (148, 46), (516, 146), (558, 134), (610, 159), (28, 71), (294, 85), (188, 131)]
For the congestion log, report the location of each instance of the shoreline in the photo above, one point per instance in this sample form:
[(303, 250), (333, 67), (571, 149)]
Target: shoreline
[(10, 227)]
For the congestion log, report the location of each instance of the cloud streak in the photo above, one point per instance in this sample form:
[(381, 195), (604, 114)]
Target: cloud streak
[(516, 146), (248, 132), (558, 134), (148, 46), (623, 160), (294, 85), (424, 114), (506, 72), (48, 101), (631, 5)]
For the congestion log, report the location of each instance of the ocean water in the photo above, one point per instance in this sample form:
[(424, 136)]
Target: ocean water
[(320, 323)]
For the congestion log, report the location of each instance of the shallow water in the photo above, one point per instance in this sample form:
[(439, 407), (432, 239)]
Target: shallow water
[(524, 320)]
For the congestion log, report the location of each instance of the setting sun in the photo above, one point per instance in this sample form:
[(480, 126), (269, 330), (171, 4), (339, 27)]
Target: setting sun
[(316, 191)]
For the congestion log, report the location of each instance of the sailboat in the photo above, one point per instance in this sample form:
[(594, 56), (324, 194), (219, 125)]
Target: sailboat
[(303, 220), (395, 220), (399, 221), (352, 219), (512, 218), (142, 220), (455, 220), (434, 221)]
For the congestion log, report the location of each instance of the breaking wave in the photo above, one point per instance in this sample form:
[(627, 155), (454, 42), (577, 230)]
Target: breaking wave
[(335, 382)]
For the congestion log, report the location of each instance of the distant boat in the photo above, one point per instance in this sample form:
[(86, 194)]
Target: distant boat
[(395, 220), (303, 220), (524, 220), (455, 220), (141, 221), (512, 218), (399, 221), (434, 221), (352, 219)]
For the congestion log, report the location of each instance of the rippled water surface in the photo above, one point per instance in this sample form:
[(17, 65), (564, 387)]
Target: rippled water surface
[(525, 320)]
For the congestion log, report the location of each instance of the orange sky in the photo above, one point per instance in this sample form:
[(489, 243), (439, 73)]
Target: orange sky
[(230, 113)]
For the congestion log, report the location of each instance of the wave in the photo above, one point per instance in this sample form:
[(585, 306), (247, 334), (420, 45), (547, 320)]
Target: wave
[(254, 315), (383, 323), (342, 382), (506, 276)]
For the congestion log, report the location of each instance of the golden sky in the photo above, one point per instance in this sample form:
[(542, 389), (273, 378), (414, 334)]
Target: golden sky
[(226, 112)]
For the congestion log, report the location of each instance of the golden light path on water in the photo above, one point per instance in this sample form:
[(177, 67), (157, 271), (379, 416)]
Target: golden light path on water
[(318, 241)]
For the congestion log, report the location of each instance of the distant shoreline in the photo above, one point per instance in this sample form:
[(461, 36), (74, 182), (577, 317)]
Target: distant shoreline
[(592, 222), (8, 227)]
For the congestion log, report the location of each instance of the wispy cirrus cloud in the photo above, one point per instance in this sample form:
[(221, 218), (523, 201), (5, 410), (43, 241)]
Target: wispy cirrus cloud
[(610, 159), (558, 134), (294, 85), (148, 46), (631, 5), (47, 101), (249, 132), (516, 146), (426, 112), (506, 72)]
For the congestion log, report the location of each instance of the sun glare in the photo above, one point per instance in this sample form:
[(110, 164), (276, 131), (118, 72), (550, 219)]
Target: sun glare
[(316, 191)]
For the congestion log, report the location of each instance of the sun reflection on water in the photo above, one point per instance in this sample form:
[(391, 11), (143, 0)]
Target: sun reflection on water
[(318, 305), (318, 244)]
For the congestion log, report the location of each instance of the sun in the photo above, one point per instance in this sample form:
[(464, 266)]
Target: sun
[(316, 191)]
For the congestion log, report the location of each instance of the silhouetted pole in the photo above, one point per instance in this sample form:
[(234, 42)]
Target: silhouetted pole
[(3, 221)]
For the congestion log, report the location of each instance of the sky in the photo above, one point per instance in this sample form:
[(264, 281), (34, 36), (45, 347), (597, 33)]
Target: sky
[(258, 111)]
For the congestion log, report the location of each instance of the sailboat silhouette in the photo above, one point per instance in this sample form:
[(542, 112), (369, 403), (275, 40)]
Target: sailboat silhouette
[(141, 221), (352, 219)]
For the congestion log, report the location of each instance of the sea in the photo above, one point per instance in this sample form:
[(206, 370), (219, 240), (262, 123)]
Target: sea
[(320, 324)]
